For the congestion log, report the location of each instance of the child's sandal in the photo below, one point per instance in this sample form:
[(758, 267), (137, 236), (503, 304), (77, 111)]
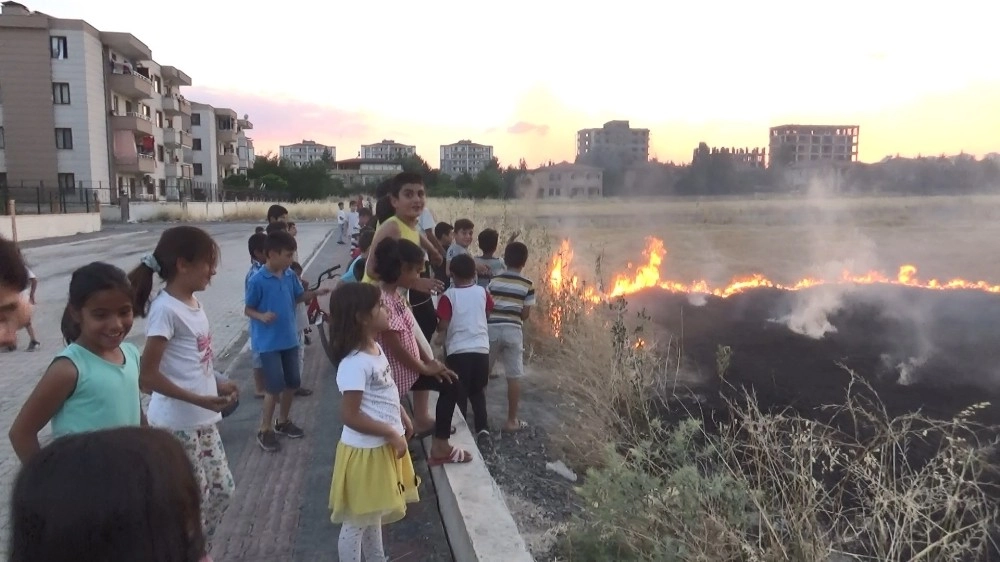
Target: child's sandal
[(456, 456)]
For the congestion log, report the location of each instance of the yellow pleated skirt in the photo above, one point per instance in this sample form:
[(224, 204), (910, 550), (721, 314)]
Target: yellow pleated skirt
[(371, 485)]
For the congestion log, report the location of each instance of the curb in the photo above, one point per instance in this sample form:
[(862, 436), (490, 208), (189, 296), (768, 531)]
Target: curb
[(476, 518)]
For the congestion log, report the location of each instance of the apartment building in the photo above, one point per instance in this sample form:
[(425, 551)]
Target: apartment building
[(244, 146), (387, 150), (305, 152), (88, 111), (563, 180), (792, 144), (217, 134), (616, 142), (465, 157)]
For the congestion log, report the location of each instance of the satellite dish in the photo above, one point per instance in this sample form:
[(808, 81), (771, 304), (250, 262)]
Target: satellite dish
[(246, 116)]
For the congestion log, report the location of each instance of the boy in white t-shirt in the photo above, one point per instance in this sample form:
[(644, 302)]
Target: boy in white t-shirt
[(353, 221), (29, 296), (462, 312), (341, 222)]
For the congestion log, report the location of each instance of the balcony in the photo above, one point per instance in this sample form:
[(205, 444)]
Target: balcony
[(229, 159), (144, 164), (131, 84), (225, 135), (176, 138), (179, 170), (176, 105), (135, 122)]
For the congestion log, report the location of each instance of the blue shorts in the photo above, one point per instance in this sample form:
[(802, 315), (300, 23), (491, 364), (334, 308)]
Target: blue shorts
[(281, 370), (255, 360)]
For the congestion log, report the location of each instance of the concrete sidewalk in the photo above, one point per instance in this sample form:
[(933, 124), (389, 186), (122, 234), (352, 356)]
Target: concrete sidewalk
[(280, 511)]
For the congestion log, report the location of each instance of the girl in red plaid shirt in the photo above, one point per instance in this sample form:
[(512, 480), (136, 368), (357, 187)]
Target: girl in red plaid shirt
[(398, 265)]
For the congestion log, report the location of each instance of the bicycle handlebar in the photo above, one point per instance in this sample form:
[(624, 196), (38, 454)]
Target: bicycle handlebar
[(327, 274)]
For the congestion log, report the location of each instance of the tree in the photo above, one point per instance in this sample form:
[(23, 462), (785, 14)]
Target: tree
[(236, 181), (273, 182)]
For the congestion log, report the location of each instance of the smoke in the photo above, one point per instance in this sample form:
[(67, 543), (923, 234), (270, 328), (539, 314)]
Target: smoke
[(810, 315)]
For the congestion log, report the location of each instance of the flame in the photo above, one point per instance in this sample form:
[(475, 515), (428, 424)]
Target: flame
[(648, 276)]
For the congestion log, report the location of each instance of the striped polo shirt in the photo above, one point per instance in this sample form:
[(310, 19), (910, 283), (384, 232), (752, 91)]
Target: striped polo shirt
[(511, 292)]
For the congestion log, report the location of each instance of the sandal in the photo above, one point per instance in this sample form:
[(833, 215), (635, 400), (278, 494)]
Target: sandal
[(521, 426), (301, 391), (456, 456), (430, 432)]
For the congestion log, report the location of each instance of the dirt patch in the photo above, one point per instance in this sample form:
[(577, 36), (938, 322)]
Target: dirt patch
[(540, 500)]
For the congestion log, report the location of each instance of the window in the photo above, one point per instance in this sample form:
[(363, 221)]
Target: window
[(145, 110), (60, 93), (114, 104), (64, 139), (3, 179), (2, 142), (195, 144), (67, 182), (58, 46), (196, 118), (197, 169), (159, 152), (159, 119), (157, 85)]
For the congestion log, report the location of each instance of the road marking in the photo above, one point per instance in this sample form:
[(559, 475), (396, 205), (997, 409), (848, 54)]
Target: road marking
[(317, 250)]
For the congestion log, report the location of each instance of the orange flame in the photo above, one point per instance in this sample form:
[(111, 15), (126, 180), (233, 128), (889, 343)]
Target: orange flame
[(648, 276)]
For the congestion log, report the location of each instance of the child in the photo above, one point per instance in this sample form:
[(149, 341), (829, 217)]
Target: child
[(178, 361), (271, 297), (15, 312), (513, 297), (301, 318), (29, 295), (443, 233), (276, 213), (94, 382), (353, 221), (256, 245), (117, 494), (489, 265), (373, 477), (341, 222), (463, 310), (399, 265), (364, 218), (461, 241), (356, 270)]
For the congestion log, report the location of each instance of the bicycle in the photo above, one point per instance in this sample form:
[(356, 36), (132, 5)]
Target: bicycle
[(317, 313)]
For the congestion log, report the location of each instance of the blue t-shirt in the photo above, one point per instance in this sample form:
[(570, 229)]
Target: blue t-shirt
[(348, 276), (268, 292)]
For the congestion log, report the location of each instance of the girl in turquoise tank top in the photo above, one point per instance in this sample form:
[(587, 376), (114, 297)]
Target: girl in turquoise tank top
[(93, 384)]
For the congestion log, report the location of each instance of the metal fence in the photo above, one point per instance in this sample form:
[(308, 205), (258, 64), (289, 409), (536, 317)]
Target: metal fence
[(42, 198), (39, 198)]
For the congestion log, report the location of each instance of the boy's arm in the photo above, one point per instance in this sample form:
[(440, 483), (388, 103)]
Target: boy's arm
[(525, 312)]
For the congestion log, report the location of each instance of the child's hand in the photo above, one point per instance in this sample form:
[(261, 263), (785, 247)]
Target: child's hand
[(399, 445), (229, 389), (428, 285), (268, 317), (407, 426), (323, 291), (482, 269), (213, 403)]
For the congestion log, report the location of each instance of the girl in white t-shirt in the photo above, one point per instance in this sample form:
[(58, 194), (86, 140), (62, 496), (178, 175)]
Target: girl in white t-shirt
[(177, 361), (373, 477)]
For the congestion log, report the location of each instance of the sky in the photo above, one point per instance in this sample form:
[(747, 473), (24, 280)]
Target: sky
[(524, 76)]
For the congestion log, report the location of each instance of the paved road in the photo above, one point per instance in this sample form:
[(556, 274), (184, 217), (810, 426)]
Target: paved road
[(271, 518)]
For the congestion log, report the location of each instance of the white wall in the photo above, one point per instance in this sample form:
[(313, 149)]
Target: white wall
[(97, 117), (141, 211), (75, 116), (37, 227), (209, 146)]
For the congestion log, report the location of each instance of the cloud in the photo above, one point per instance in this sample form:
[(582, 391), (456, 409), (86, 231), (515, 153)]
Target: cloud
[(523, 127)]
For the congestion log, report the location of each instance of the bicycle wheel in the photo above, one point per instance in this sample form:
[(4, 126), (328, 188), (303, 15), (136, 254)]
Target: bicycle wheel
[(324, 339)]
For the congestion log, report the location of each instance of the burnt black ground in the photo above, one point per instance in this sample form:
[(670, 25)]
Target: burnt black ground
[(878, 327)]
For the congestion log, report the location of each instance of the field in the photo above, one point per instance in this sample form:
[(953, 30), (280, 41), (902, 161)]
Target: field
[(834, 423)]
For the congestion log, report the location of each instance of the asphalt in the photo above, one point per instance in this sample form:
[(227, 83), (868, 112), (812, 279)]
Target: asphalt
[(279, 511)]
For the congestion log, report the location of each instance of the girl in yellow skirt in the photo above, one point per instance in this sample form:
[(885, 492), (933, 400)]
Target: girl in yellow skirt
[(373, 476)]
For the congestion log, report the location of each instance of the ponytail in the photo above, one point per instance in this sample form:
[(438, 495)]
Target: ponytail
[(141, 279), (69, 326)]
